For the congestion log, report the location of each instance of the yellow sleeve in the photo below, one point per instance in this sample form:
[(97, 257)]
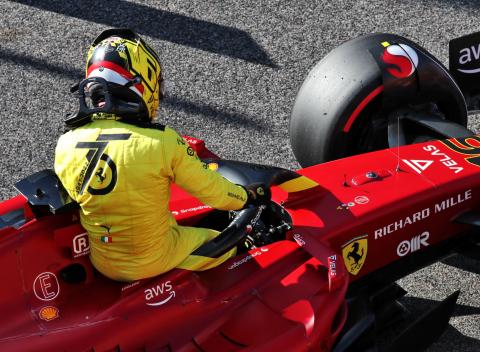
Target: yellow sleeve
[(190, 173)]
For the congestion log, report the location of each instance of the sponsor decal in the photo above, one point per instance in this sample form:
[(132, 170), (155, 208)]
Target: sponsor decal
[(360, 200), (464, 60), (46, 286), (468, 148), (423, 214), (236, 196), (299, 239), (247, 258), (402, 223), (445, 159), (190, 151), (354, 254), (81, 245), (401, 60), (48, 313), (452, 201), (190, 210), (332, 265), (191, 140), (159, 294), (131, 285), (418, 165), (467, 55), (413, 245), (254, 221)]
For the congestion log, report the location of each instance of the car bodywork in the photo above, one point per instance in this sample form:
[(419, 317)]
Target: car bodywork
[(363, 222)]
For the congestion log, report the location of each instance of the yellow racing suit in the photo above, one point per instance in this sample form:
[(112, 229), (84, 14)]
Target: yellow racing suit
[(120, 174)]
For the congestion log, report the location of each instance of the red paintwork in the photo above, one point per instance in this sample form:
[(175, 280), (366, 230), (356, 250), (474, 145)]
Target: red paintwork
[(391, 198), (288, 296)]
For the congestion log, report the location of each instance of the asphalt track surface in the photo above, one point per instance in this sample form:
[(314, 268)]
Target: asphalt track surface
[(234, 68)]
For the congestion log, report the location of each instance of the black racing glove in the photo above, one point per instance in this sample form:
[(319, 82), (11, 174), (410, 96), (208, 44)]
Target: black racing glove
[(258, 194)]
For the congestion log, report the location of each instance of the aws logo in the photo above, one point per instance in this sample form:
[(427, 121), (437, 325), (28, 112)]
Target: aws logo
[(467, 55), (160, 294), (400, 59)]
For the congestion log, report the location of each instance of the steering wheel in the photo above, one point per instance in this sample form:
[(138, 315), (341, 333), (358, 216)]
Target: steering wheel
[(234, 233)]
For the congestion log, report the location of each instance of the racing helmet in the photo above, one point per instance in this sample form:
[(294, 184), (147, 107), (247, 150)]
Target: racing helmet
[(130, 67)]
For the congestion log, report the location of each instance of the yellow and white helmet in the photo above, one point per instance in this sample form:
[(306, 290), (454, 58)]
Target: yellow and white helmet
[(122, 58)]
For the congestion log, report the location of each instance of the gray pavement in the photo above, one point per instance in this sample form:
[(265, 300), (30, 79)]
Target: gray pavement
[(234, 69)]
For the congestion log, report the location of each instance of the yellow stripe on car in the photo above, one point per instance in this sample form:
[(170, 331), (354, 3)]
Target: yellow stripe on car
[(300, 183)]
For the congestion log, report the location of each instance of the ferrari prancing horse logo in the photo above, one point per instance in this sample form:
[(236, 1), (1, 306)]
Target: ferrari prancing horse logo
[(354, 253)]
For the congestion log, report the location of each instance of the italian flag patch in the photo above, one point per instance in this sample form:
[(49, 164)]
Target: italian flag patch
[(106, 239)]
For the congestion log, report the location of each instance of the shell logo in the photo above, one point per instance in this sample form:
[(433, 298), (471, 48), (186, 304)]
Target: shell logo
[(401, 59), (48, 313)]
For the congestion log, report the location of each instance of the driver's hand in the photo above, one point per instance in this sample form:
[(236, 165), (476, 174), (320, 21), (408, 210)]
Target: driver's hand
[(258, 194)]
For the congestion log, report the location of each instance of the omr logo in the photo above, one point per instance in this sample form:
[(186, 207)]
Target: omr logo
[(401, 60), (414, 244)]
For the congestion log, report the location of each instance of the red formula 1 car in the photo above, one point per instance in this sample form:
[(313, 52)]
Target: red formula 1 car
[(319, 267)]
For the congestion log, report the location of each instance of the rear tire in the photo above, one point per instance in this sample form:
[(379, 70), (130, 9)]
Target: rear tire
[(345, 102)]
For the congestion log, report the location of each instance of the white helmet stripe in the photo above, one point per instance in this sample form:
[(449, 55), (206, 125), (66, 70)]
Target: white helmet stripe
[(112, 76)]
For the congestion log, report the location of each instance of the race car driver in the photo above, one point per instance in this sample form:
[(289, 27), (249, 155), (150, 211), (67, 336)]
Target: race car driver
[(118, 164)]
